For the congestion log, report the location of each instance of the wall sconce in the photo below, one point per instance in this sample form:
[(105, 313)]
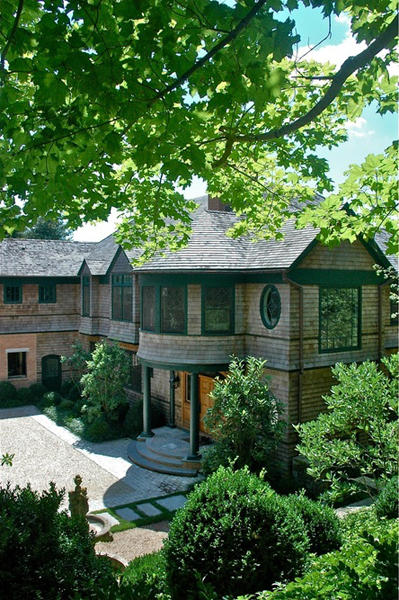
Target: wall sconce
[(174, 379)]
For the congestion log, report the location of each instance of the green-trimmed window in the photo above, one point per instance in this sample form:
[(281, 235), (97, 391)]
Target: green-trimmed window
[(270, 306), (339, 318), (148, 301), (218, 309), (173, 309), (122, 297), (47, 293), (85, 296), (12, 294)]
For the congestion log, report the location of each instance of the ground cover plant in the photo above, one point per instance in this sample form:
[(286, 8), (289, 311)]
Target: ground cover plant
[(245, 419), (357, 435)]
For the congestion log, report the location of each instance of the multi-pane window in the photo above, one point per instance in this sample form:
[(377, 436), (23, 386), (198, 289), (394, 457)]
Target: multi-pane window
[(135, 371), (13, 294), (122, 297), (270, 306), (148, 308), (173, 310), (47, 293), (85, 296), (16, 364), (218, 309), (339, 319)]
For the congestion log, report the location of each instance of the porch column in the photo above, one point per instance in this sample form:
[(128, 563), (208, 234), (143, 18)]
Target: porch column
[(146, 403), (194, 418), (172, 383)]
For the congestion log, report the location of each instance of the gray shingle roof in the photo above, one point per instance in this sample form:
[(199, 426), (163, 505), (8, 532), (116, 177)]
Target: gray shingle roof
[(42, 258), (210, 249)]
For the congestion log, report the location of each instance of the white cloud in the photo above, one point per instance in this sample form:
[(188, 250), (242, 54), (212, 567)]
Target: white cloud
[(97, 231), (335, 54), (358, 128)]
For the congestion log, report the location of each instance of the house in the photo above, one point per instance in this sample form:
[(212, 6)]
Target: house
[(298, 304)]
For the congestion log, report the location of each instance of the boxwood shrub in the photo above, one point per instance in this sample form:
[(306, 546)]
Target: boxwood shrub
[(8, 392), (146, 576), (25, 396), (38, 390), (237, 535), (386, 504), (321, 522)]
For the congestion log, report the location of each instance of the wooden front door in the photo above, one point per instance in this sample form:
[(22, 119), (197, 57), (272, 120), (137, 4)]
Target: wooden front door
[(206, 385)]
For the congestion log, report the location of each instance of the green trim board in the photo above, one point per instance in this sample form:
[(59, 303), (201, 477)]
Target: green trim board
[(38, 280), (189, 368), (335, 277), (220, 278)]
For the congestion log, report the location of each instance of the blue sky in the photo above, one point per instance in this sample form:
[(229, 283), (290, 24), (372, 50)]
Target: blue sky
[(371, 133)]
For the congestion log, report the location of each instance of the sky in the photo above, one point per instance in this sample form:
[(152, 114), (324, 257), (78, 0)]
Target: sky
[(370, 133)]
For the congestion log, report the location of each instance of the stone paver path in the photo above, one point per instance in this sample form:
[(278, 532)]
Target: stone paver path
[(45, 452)]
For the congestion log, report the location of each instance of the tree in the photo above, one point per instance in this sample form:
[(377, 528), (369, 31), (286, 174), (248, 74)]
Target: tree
[(104, 383), (357, 436), (115, 104), (46, 230), (245, 419)]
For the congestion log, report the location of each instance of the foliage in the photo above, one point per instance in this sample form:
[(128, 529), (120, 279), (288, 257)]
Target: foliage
[(245, 417), (52, 398), (66, 404), (77, 364), (46, 230), (104, 383), (8, 391), (386, 504), (365, 568), (66, 386), (321, 523), (43, 552), (357, 436), (98, 430), (116, 104), (38, 390), (237, 534), (146, 576), (25, 396), (6, 459)]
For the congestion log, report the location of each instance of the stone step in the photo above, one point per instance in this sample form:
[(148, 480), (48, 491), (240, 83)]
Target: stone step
[(139, 460), (149, 453), (167, 446)]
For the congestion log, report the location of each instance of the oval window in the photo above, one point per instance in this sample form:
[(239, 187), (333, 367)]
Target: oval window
[(270, 306)]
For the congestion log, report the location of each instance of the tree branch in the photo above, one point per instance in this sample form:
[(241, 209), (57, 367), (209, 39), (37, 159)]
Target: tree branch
[(351, 65), (13, 30), (229, 38)]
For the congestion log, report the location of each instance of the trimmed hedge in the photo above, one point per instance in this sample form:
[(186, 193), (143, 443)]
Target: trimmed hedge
[(8, 391), (25, 396), (145, 576), (237, 534), (38, 390)]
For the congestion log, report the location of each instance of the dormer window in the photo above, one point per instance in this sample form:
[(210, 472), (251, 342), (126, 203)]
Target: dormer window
[(85, 296)]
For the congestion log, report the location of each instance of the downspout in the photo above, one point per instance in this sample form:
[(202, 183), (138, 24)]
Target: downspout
[(301, 354), (172, 383)]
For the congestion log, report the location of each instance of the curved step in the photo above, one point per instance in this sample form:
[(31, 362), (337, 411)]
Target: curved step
[(148, 453), (139, 460)]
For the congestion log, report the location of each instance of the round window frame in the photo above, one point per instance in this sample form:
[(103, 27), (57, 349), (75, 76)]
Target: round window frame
[(269, 288)]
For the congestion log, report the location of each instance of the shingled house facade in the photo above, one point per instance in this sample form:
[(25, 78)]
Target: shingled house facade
[(299, 305)]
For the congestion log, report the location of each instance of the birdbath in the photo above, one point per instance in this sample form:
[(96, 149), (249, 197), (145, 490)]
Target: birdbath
[(79, 506)]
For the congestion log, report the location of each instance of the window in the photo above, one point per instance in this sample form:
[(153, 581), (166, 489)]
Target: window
[(340, 310), (135, 371), (122, 297), (218, 309), (47, 293), (12, 294), (270, 306), (173, 313), (85, 296), (148, 308), (16, 364)]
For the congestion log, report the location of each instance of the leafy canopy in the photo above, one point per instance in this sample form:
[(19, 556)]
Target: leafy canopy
[(114, 104)]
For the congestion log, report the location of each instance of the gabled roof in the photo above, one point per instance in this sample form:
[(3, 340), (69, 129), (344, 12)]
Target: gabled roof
[(42, 258)]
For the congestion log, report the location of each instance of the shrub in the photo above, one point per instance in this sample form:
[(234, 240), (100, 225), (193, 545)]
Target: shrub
[(45, 553), (146, 576), (52, 398), (245, 418), (321, 523), (25, 396), (66, 405), (38, 390), (133, 424), (98, 431), (8, 391), (237, 534), (366, 568), (74, 393), (78, 405), (386, 504), (66, 386)]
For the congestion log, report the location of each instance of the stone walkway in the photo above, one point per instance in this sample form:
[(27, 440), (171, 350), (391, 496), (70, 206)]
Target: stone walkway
[(44, 452)]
